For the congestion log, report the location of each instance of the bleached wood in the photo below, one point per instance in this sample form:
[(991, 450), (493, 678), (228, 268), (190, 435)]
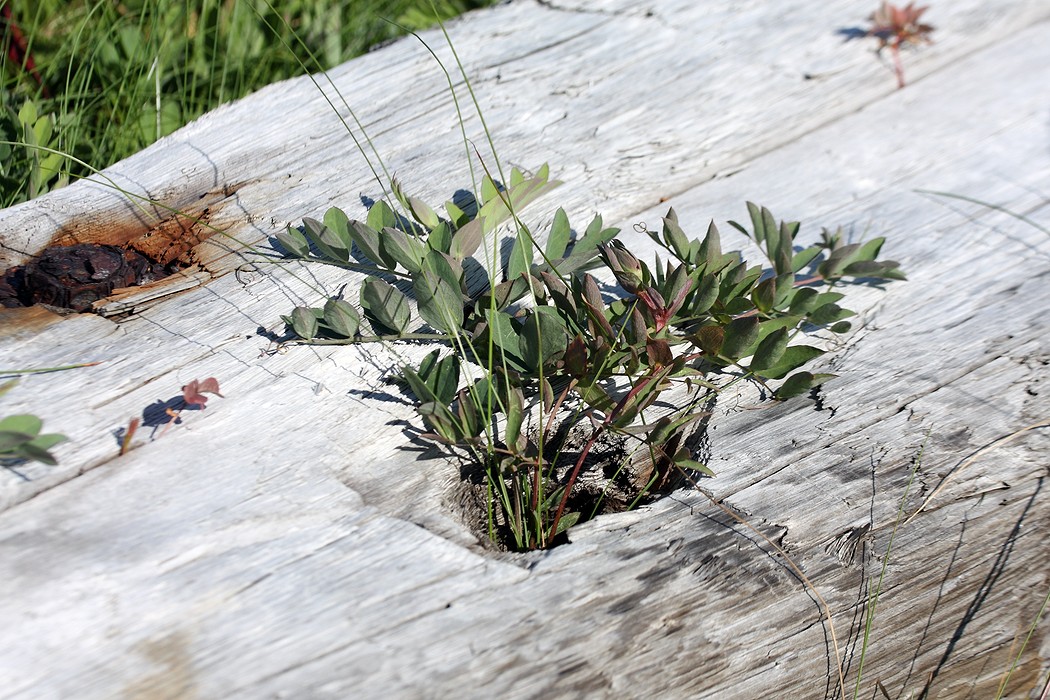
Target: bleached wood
[(289, 541)]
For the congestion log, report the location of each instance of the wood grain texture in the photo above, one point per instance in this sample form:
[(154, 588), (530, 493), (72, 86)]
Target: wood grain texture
[(289, 541)]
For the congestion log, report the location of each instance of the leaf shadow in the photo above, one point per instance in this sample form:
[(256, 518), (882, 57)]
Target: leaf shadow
[(156, 414), (851, 33)]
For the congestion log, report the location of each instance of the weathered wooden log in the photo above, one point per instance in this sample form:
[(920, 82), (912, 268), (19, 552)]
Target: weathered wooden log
[(289, 540)]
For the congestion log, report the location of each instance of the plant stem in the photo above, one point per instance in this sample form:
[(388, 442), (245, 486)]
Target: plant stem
[(996, 207), (1017, 659), (587, 450), (971, 459), (372, 339), (45, 370), (895, 50), (874, 598)]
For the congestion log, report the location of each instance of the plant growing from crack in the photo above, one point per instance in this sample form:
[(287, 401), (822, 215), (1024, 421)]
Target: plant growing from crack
[(555, 351), (895, 27)]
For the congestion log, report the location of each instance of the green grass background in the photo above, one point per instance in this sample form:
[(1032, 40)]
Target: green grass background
[(116, 75)]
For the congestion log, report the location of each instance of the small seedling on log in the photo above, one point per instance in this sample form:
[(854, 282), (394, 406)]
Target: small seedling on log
[(193, 394), (897, 27)]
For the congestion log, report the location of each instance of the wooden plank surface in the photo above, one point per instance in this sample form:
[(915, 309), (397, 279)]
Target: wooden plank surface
[(285, 543)]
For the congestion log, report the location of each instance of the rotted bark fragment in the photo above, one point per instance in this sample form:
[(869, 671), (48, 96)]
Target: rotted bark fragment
[(76, 276)]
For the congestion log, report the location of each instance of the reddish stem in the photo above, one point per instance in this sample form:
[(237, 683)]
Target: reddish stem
[(539, 460), (895, 49), (587, 450)]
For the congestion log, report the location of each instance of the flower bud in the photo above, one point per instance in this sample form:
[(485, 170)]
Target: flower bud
[(629, 272)]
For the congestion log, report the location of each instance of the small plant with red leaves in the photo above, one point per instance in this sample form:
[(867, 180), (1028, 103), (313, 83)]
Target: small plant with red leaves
[(193, 394), (899, 26)]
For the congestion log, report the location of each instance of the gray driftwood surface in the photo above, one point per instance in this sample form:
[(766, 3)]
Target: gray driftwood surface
[(289, 542)]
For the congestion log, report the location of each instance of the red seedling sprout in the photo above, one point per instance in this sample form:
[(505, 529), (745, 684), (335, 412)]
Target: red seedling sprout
[(125, 443), (193, 394), (899, 26)]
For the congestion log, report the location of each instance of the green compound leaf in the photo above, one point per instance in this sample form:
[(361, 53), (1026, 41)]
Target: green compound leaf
[(366, 239), (438, 295), (561, 233), (341, 317), (386, 305), (769, 351), (304, 322), (542, 337), (293, 243), (712, 310), (740, 334), (792, 358), (800, 383), (23, 424)]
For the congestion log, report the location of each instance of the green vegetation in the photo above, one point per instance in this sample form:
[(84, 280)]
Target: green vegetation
[(559, 350), (556, 351), (549, 351), (101, 80), (20, 437)]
